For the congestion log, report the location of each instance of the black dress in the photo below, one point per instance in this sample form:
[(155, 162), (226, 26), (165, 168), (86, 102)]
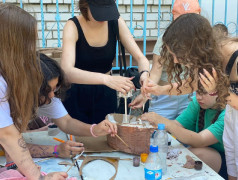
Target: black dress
[(91, 103)]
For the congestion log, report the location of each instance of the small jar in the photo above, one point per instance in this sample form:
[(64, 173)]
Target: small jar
[(198, 165), (136, 161)]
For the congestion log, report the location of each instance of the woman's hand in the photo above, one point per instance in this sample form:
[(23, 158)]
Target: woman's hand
[(119, 83), (155, 89), (154, 118), (55, 176), (208, 81), (69, 148), (144, 78), (105, 127), (138, 102)]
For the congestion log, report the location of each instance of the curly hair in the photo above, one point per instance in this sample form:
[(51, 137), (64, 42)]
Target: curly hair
[(51, 70), (191, 39)]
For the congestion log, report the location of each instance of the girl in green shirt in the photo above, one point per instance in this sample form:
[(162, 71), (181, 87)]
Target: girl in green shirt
[(201, 126)]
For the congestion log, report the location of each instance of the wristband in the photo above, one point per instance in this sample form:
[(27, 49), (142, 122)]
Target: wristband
[(213, 93), (91, 130), (11, 165), (143, 72), (55, 151)]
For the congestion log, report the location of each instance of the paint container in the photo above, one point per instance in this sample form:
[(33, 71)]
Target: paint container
[(198, 165), (143, 157), (53, 130), (136, 161)]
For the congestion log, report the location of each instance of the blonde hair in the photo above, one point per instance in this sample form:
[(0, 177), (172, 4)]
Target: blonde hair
[(18, 64)]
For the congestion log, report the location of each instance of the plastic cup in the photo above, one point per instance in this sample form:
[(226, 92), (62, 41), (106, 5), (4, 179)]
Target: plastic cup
[(143, 157)]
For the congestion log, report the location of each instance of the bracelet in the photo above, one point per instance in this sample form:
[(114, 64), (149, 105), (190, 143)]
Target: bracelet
[(213, 93), (91, 130), (55, 151), (143, 72), (11, 165)]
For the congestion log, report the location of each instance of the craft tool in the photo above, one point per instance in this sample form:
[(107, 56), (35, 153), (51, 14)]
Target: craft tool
[(60, 140), (75, 161), (71, 139), (121, 140), (45, 159), (126, 121)]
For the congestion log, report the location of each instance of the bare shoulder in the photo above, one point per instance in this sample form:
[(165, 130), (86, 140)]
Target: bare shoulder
[(70, 31)]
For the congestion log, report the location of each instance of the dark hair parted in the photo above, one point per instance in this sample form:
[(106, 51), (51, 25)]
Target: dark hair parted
[(83, 7), (51, 70), (191, 39)]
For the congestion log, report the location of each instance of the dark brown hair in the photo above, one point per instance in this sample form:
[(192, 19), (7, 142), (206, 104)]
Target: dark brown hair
[(220, 32), (51, 70), (190, 38), (18, 64), (83, 7), (201, 120)]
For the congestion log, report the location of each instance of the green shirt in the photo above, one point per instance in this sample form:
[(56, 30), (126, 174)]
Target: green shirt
[(189, 120)]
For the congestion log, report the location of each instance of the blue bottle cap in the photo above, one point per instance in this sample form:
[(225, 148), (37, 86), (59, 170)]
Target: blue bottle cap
[(154, 148), (161, 126)]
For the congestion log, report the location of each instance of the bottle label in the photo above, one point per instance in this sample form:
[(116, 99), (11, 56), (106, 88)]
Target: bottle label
[(153, 174)]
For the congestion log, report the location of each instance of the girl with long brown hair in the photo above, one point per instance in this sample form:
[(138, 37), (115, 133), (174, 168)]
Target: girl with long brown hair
[(20, 80), (189, 41)]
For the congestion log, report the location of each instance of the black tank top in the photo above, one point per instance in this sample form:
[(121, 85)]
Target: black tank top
[(233, 85), (94, 59)]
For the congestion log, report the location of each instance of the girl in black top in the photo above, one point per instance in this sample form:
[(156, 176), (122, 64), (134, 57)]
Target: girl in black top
[(89, 47)]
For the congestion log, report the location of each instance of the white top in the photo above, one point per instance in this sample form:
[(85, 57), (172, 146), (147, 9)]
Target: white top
[(5, 117), (54, 110)]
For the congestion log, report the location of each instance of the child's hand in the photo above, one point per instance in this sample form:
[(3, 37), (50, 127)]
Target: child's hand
[(105, 127), (138, 102), (208, 81), (69, 149), (155, 89)]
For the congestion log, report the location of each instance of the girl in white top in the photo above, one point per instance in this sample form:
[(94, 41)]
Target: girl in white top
[(20, 79), (50, 105)]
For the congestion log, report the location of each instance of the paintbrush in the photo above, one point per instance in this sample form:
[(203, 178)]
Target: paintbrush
[(75, 161), (119, 138), (122, 140), (70, 137)]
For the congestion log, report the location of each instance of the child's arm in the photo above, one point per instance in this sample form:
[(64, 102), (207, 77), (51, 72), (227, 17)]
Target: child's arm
[(202, 139), (14, 144)]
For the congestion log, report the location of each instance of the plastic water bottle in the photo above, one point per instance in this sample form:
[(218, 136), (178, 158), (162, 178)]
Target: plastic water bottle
[(153, 170), (161, 140)]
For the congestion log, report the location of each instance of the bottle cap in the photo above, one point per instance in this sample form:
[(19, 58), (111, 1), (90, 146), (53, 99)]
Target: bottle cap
[(154, 149), (161, 126)]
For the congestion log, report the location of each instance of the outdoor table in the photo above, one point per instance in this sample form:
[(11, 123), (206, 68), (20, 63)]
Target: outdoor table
[(101, 170)]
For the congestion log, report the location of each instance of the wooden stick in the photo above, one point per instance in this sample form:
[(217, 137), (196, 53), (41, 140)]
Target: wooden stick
[(75, 161), (121, 140), (45, 159), (125, 109)]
